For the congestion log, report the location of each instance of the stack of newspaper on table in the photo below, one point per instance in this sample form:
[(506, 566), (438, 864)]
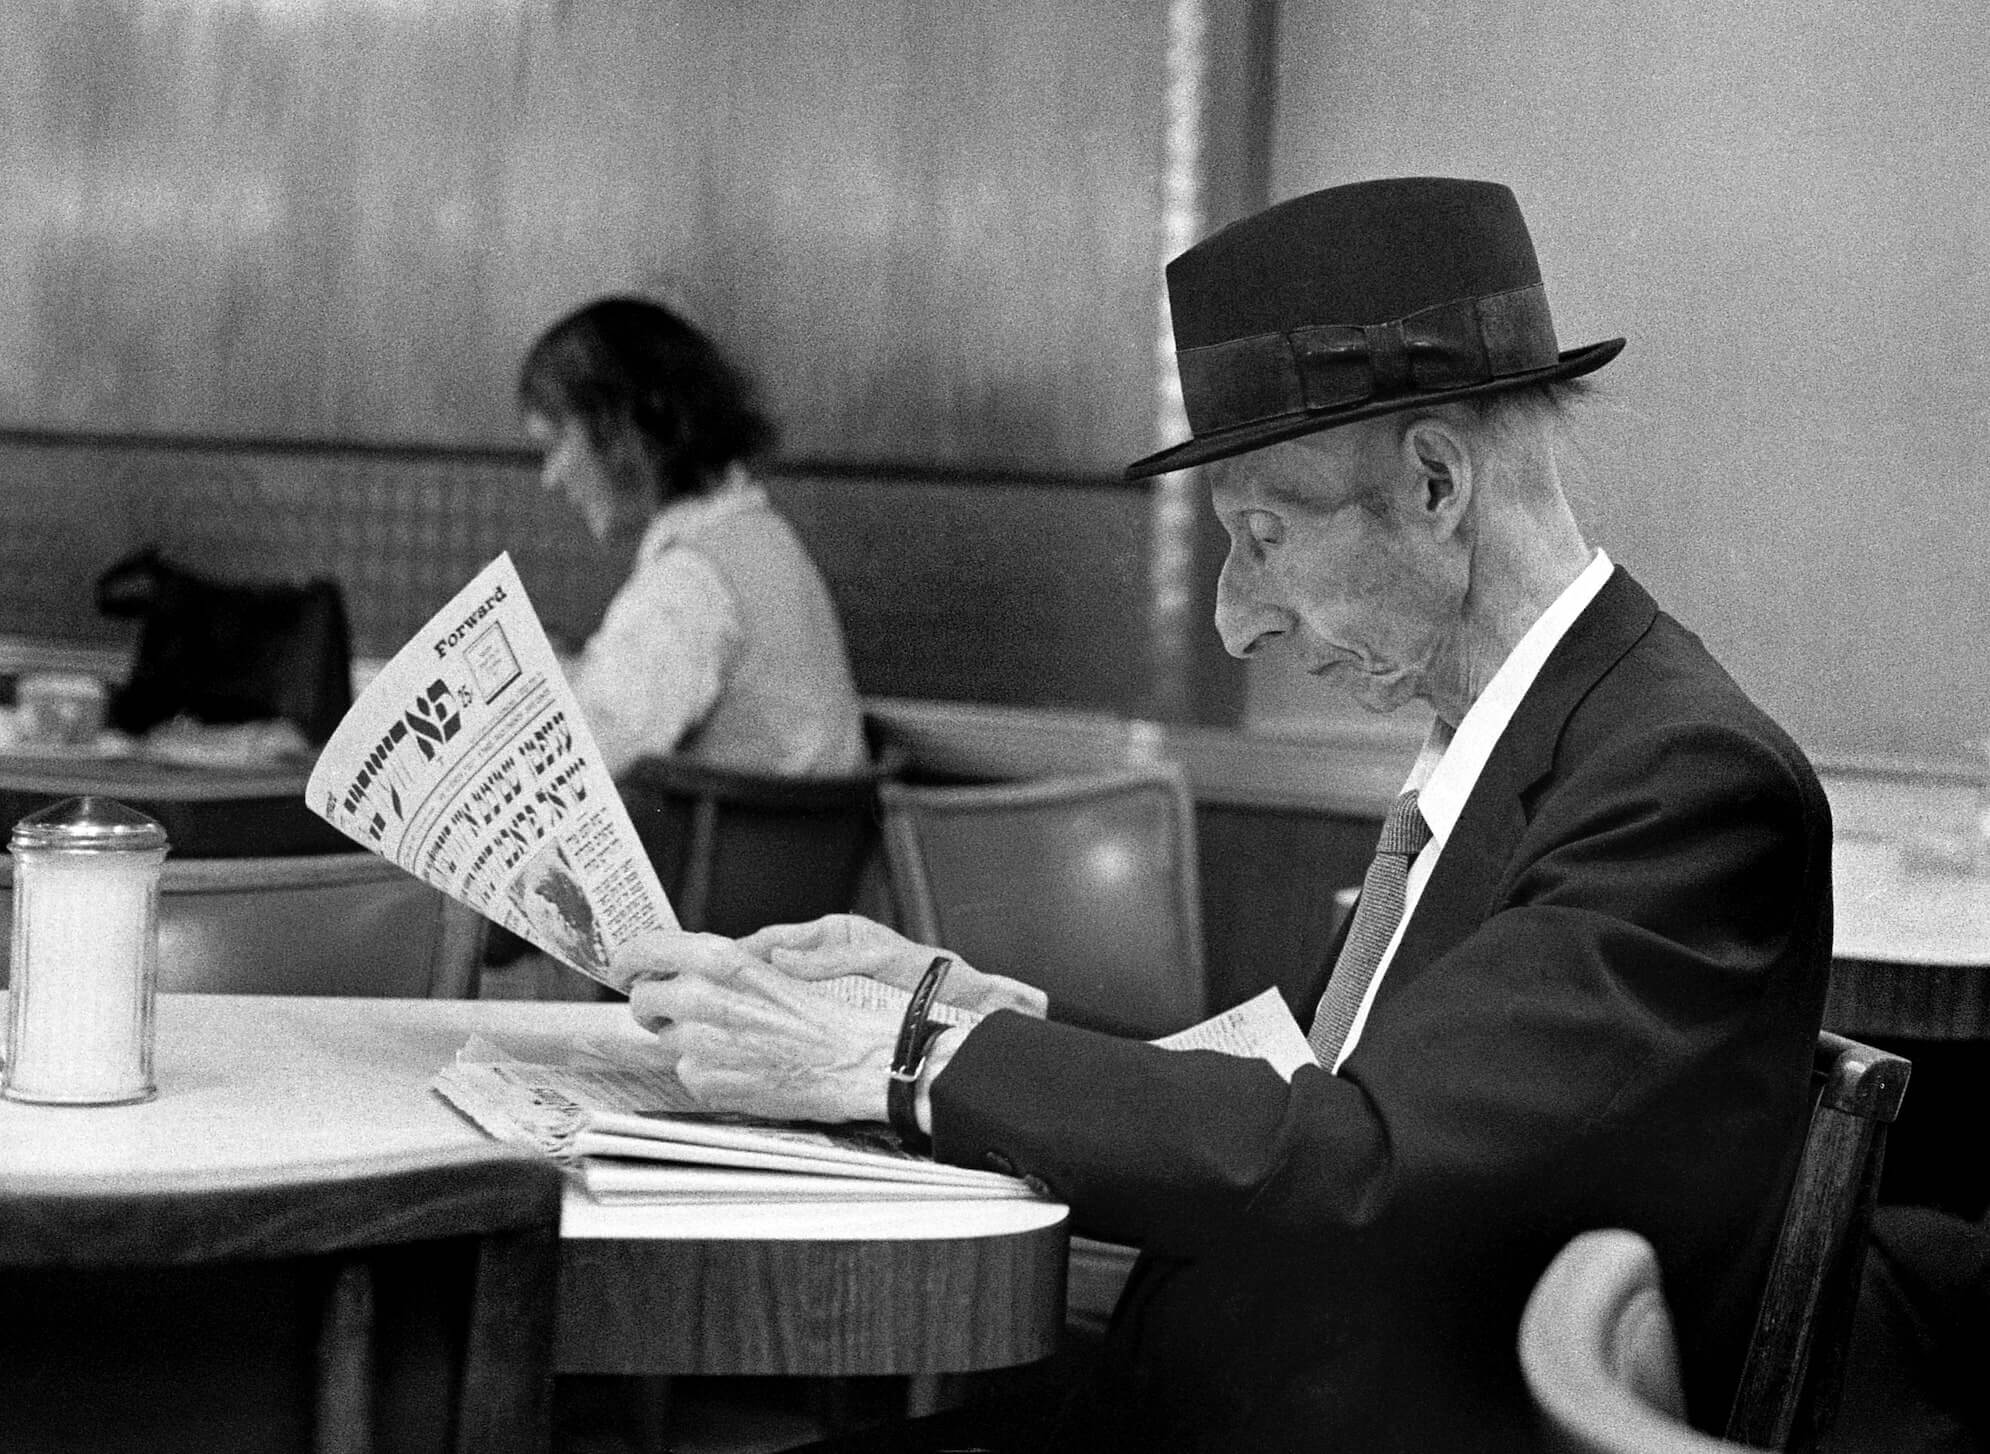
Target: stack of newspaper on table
[(467, 762), (632, 1133)]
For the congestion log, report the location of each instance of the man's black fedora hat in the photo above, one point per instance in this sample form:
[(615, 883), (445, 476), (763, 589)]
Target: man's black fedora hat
[(1356, 301)]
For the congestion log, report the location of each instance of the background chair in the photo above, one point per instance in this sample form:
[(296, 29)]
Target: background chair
[(738, 851), (1085, 887), (1599, 1355), (320, 924), (1795, 1367), (207, 812), (404, 1305)]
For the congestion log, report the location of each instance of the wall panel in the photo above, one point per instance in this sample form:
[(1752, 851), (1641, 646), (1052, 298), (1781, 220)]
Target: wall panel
[(934, 233), (1004, 590), (931, 230)]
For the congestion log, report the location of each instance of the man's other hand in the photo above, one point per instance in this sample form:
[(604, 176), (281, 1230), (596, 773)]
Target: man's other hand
[(745, 1037), (840, 944)]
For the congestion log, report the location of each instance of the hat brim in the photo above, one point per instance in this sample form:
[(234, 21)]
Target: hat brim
[(1221, 444)]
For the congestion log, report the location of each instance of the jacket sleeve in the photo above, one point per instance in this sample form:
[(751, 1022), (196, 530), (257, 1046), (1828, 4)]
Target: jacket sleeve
[(1639, 977)]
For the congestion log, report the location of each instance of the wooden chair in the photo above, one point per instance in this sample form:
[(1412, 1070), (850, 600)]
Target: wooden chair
[(1599, 1355), (1596, 1342), (1795, 1365), (738, 851), (1086, 887), (405, 1304), (319, 924)]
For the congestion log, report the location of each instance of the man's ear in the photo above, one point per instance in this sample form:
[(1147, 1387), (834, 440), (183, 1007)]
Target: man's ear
[(1435, 455)]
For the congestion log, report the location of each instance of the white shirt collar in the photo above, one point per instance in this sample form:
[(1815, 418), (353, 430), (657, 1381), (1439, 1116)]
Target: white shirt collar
[(684, 517), (1448, 768)]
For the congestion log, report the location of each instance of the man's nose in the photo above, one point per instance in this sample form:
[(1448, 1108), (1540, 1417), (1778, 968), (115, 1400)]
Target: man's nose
[(1246, 624)]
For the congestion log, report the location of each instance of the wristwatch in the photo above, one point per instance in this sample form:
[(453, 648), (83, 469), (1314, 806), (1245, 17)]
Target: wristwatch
[(908, 1057)]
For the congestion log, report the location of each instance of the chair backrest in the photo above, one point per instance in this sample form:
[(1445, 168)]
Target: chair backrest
[(1599, 1355), (411, 1295), (737, 851), (318, 924), (1086, 887), (1790, 1382), (206, 812)]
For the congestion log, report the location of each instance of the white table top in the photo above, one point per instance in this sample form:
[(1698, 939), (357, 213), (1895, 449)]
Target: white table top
[(1910, 873), (284, 1083), (1895, 907)]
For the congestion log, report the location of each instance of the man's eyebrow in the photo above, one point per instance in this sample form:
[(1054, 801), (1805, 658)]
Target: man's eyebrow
[(1300, 497), (1232, 489)]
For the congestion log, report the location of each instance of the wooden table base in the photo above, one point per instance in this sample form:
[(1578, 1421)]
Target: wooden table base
[(844, 1307)]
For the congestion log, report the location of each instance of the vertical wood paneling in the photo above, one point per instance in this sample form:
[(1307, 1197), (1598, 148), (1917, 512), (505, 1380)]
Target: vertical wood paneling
[(933, 232), (929, 229)]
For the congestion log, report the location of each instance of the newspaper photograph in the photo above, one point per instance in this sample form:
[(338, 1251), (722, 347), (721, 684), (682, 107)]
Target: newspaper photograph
[(466, 761)]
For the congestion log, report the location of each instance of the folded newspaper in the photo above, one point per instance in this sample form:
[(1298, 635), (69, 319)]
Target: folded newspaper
[(467, 762)]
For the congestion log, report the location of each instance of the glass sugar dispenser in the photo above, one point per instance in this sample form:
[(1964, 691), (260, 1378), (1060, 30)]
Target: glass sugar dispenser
[(85, 954)]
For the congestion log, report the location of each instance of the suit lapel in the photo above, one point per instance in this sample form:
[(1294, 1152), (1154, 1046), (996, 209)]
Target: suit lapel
[(1477, 855)]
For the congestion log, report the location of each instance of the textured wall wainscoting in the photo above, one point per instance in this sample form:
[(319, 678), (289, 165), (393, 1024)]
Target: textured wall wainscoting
[(1013, 589), (401, 532)]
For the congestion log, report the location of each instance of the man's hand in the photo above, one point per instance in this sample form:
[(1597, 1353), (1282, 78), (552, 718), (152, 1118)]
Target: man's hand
[(746, 1037), (840, 944)]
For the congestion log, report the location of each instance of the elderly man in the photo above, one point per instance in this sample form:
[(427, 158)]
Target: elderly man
[(1583, 982)]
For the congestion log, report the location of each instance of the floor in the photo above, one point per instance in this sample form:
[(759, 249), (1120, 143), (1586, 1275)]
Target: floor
[(714, 1415), (717, 1417), (762, 1415)]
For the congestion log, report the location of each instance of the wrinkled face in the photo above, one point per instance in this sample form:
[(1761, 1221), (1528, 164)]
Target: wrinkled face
[(572, 466), (1328, 555)]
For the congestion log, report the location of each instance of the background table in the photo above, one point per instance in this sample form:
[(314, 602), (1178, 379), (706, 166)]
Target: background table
[(1911, 971), (1911, 881), (281, 1083), (1912, 947), (207, 811)]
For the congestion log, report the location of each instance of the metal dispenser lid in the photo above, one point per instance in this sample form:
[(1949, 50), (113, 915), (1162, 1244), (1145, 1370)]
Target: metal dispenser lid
[(90, 825)]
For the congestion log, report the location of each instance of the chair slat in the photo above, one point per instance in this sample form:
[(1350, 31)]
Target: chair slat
[(1790, 1381), (344, 1415), (505, 1402)]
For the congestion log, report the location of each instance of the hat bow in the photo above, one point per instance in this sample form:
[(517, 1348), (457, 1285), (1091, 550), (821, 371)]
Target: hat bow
[(1318, 366)]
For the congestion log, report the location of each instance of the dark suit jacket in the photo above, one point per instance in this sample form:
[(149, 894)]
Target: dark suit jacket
[(1602, 1013)]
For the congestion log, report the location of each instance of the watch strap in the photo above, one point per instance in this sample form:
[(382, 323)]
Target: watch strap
[(908, 1057)]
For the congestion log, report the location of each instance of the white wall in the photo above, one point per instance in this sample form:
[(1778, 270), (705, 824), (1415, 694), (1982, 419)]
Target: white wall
[(1785, 208)]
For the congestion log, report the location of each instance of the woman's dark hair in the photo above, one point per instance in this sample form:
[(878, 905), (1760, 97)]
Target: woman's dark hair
[(663, 408)]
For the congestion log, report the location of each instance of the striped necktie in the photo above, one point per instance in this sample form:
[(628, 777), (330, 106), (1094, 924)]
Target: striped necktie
[(1376, 914)]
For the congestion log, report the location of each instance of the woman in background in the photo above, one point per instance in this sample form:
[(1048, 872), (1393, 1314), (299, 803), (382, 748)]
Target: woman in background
[(722, 645)]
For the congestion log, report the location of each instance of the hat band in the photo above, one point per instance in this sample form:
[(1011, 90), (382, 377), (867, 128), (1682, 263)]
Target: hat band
[(1329, 365)]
